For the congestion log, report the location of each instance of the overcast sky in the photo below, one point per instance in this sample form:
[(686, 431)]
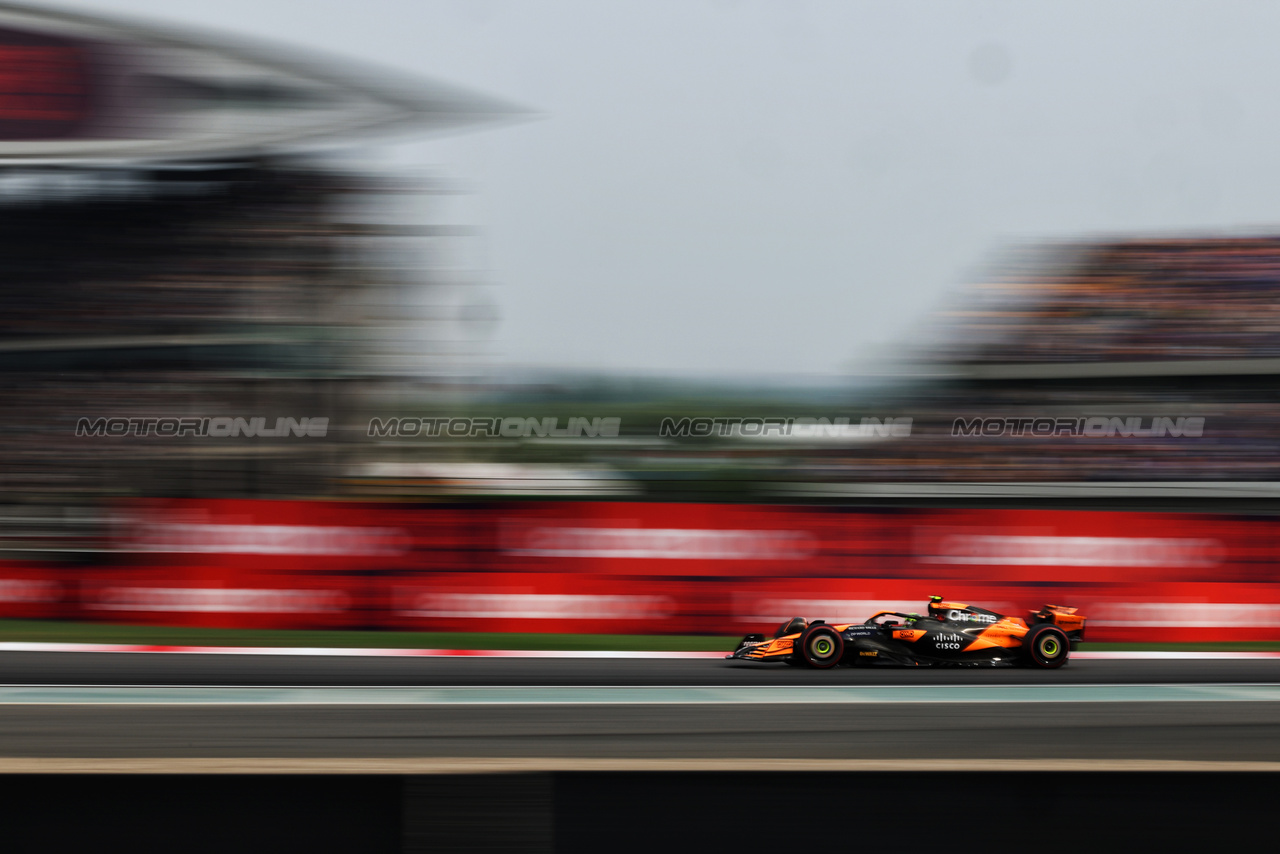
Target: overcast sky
[(744, 188)]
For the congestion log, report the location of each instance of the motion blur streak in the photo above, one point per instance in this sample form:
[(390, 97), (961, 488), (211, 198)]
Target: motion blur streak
[(640, 567), (254, 390), (248, 384)]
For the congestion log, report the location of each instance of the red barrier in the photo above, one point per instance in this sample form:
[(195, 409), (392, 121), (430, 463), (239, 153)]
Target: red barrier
[(672, 568), (35, 591)]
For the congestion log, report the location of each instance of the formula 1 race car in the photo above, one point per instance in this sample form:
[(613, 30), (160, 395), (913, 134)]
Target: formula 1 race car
[(951, 634)]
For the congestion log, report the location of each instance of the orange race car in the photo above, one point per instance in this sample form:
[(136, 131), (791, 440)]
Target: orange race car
[(951, 634)]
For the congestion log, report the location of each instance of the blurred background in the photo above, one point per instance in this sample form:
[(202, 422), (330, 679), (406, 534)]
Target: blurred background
[(653, 319)]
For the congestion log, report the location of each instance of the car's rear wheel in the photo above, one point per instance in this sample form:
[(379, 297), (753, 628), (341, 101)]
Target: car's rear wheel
[(1046, 645), (821, 647)]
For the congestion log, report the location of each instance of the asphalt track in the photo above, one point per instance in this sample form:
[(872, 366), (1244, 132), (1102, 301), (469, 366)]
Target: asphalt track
[(1099, 713), (70, 668)]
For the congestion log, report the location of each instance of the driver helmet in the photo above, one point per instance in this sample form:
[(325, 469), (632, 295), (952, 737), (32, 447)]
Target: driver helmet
[(936, 609)]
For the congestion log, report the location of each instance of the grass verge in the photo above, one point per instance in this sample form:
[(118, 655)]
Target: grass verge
[(51, 631)]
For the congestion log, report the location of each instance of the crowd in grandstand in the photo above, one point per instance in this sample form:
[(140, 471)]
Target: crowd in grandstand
[(1239, 441), (1236, 439), (1190, 298), (1118, 303), (258, 249), (201, 292), (201, 250)]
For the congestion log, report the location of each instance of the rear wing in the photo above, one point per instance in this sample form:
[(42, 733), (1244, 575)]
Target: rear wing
[(1064, 618)]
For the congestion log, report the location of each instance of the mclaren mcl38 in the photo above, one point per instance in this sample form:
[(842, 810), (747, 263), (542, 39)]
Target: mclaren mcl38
[(950, 634)]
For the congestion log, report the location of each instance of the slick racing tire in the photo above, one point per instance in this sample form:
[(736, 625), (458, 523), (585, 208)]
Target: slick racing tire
[(1046, 645), (821, 647)]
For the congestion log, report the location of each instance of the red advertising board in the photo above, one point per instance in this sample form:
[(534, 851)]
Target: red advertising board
[(672, 568), (36, 591)]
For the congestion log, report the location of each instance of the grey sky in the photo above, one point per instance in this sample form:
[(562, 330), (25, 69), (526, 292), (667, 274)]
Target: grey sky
[(749, 188)]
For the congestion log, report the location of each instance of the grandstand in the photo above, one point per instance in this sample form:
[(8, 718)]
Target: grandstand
[(1142, 307), (1070, 373), (1144, 328), (180, 242)]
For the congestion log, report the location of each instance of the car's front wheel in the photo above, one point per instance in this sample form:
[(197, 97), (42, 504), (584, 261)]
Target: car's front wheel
[(1046, 645), (821, 647)]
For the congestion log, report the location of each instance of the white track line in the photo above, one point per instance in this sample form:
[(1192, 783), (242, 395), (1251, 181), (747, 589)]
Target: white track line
[(528, 696), (1135, 655), (19, 646)]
